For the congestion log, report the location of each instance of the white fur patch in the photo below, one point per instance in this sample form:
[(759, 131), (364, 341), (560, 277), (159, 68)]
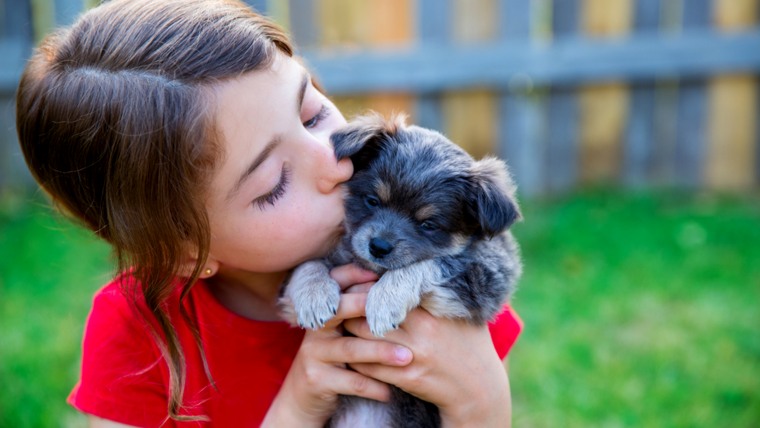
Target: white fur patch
[(364, 414), (397, 292)]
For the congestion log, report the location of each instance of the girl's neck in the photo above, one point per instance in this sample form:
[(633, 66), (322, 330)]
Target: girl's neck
[(250, 295)]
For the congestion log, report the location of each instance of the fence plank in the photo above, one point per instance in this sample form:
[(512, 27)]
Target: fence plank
[(66, 11), (390, 22), (690, 140), (469, 115), (373, 25), (342, 23), (566, 62), (303, 24), (640, 143), (390, 25), (260, 6), (16, 20), (731, 151), (562, 130), (732, 112), (604, 107), (434, 18), (521, 111), (16, 34)]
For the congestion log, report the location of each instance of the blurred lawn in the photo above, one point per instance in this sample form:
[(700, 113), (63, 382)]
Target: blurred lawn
[(640, 310)]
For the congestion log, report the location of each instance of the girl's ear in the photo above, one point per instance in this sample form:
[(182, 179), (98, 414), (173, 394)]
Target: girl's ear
[(494, 196), (190, 263), (364, 137)]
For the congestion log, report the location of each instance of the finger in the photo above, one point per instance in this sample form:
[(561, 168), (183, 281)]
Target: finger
[(360, 288), (383, 373), (360, 328), (350, 350), (350, 306), (348, 275), (347, 382)]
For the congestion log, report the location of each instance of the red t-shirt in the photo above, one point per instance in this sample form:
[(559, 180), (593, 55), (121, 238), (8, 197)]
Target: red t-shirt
[(125, 379)]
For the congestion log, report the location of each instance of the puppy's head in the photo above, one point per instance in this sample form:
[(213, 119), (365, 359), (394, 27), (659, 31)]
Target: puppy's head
[(416, 195)]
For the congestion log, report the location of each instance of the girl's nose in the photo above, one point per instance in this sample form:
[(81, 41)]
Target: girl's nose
[(336, 174)]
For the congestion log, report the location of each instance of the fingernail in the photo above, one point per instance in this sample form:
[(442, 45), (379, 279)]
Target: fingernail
[(403, 355)]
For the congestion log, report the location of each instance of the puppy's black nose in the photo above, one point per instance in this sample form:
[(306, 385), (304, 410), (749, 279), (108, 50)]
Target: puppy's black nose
[(379, 247)]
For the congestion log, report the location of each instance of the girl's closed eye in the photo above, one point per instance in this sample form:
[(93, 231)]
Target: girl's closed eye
[(276, 193), (317, 118)]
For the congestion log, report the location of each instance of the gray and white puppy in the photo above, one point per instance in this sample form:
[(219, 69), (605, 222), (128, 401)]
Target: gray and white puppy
[(433, 223)]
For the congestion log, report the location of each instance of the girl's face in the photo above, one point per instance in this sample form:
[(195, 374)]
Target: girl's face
[(276, 199)]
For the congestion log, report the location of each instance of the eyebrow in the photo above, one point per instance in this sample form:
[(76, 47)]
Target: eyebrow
[(305, 78), (274, 142)]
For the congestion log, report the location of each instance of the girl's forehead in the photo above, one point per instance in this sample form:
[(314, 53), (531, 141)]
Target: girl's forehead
[(254, 109)]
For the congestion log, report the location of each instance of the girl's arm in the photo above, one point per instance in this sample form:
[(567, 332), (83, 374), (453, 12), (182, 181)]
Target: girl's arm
[(455, 367), (310, 391)]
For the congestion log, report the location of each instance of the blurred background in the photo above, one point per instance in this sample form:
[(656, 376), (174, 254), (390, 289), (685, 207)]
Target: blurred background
[(631, 127)]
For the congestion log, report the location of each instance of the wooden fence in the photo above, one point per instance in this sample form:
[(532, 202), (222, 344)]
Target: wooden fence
[(570, 92)]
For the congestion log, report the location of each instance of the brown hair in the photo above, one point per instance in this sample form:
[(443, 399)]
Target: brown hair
[(115, 121)]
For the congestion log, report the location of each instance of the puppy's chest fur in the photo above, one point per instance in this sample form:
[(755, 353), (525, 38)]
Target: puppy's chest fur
[(434, 223)]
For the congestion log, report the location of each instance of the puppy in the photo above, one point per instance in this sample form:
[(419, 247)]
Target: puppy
[(433, 223)]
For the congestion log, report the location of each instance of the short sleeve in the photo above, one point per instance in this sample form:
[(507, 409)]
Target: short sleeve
[(504, 331), (121, 374)]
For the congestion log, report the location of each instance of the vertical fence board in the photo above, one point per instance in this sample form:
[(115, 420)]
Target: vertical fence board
[(390, 23), (757, 134), (434, 20), (732, 132), (67, 10), (43, 18), (691, 131), (259, 6), (604, 107), (341, 24), (521, 113), (469, 116), (17, 21), (562, 130), (16, 28), (732, 112), (640, 144), (303, 24)]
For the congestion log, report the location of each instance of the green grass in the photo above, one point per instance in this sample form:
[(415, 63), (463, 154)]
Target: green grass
[(49, 270), (640, 310)]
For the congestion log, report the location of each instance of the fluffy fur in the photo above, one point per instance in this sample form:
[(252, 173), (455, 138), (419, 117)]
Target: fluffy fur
[(434, 223)]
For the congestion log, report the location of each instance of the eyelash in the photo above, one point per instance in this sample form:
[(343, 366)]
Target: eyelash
[(276, 193), (319, 117)]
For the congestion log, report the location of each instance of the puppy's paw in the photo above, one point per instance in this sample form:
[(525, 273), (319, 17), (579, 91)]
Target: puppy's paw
[(316, 304), (384, 313), (311, 297)]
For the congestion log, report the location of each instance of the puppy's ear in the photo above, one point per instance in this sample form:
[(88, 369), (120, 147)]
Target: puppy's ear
[(364, 137), (494, 200)]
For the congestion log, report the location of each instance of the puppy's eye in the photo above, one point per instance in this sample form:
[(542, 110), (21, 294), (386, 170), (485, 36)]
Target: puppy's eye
[(372, 201), (428, 226)]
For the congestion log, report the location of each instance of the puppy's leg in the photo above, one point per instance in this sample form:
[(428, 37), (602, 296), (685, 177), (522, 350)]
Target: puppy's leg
[(481, 282), (312, 294), (396, 293)]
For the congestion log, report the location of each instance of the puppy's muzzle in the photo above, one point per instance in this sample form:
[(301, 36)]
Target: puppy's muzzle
[(379, 247)]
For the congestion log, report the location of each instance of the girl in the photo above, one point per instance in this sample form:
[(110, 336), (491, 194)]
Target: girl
[(186, 134)]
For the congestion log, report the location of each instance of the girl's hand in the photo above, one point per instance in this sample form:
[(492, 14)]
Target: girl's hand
[(310, 391), (455, 367)]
